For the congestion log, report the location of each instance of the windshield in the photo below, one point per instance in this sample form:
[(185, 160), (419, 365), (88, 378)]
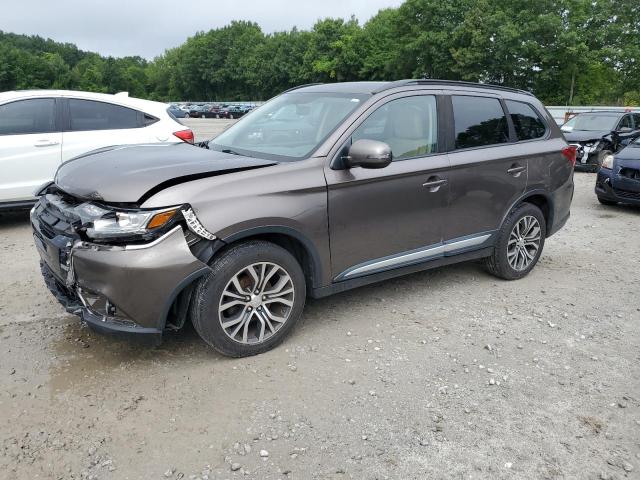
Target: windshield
[(591, 122), (289, 127)]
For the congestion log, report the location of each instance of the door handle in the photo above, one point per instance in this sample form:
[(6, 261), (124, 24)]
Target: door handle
[(434, 183), (516, 170), (45, 143)]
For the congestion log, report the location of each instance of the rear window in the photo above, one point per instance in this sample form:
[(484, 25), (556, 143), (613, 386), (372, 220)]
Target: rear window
[(479, 121), (28, 116), (526, 121), (92, 115)]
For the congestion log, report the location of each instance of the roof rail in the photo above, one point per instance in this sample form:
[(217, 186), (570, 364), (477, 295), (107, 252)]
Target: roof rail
[(302, 86), (430, 81)]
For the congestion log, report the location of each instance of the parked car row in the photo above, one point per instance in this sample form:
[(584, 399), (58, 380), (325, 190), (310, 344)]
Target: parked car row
[(210, 110), (436, 172)]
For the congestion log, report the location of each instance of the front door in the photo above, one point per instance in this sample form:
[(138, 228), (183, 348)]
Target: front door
[(30, 147), (391, 217)]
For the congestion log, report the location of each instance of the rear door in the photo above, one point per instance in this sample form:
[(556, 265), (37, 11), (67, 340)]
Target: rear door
[(391, 217), (488, 171), (30, 146), (91, 124)]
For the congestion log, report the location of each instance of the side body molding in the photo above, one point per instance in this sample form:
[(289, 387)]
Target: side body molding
[(424, 254)]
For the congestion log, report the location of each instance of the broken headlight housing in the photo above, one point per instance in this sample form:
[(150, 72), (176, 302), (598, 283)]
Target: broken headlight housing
[(105, 223)]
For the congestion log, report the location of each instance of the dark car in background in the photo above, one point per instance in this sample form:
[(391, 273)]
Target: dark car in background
[(198, 111), (325, 188), (237, 111), (598, 134), (177, 112), (618, 179)]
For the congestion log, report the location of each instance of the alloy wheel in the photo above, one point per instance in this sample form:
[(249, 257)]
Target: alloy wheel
[(524, 243), (256, 303)]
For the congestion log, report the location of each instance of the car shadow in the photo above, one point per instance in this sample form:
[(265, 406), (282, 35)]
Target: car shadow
[(14, 218)]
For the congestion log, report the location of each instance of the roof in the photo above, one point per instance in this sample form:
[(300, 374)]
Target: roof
[(154, 108), (372, 88)]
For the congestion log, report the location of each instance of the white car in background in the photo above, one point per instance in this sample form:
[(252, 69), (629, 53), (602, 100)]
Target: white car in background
[(40, 129)]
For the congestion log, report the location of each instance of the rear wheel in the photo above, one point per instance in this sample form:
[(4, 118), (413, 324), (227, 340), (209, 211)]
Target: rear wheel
[(250, 301), (604, 201), (520, 243), (186, 115)]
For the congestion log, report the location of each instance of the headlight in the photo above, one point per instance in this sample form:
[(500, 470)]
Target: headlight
[(607, 162), (103, 223)]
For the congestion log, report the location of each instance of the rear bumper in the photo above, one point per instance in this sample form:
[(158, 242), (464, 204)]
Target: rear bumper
[(606, 191), (560, 201), (122, 290)]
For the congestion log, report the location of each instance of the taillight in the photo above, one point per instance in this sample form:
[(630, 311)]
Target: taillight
[(185, 135), (570, 153)]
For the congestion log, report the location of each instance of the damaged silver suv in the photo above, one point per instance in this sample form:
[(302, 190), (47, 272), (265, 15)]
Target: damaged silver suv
[(322, 189)]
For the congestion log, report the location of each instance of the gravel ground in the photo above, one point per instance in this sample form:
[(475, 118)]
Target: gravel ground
[(447, 374)]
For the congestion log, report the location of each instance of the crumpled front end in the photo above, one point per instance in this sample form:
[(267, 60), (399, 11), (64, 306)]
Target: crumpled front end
[(589, 153), (122, 289)]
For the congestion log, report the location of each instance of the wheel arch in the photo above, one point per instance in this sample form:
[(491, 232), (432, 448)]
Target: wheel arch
[(540, 199), (291, 240)]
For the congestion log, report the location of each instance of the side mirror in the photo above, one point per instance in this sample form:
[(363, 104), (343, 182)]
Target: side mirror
[(625, 130), (368, 154)]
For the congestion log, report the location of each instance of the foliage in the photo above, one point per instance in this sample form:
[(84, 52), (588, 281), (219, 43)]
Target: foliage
[(564, 51)]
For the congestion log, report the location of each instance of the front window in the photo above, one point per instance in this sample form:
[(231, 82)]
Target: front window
[(289, 127), (591, 122), (408, 125)]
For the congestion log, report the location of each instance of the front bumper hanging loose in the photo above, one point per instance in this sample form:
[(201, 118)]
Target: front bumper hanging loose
[(124, 290)]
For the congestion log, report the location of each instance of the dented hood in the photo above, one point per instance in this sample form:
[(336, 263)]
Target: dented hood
[(129, 174)]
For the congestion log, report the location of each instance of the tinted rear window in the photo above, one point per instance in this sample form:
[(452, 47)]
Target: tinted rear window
[(527, 123), (28, 116), (92, 115), (479, 121)]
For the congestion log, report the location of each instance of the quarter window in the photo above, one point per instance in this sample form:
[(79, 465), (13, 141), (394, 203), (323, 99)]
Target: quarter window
[(28, 116), (479, 121), (408, 125), (92, 115), (526, 121)]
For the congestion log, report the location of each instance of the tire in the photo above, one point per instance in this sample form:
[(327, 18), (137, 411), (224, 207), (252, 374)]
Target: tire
[(609, 203), (501, 263), (186, 115), (229, 271)]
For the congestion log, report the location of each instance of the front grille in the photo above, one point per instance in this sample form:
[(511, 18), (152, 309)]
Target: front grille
[(632, 173), (55, 216), (626, 194)]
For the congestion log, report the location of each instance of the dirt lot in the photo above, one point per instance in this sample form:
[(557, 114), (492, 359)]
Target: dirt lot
[(446, 374)]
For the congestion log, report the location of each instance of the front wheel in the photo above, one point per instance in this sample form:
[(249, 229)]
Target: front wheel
[(186, 115), (520, 243), (250, 301)]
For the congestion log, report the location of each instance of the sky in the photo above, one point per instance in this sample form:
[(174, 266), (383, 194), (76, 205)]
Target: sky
[(148, 27)]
